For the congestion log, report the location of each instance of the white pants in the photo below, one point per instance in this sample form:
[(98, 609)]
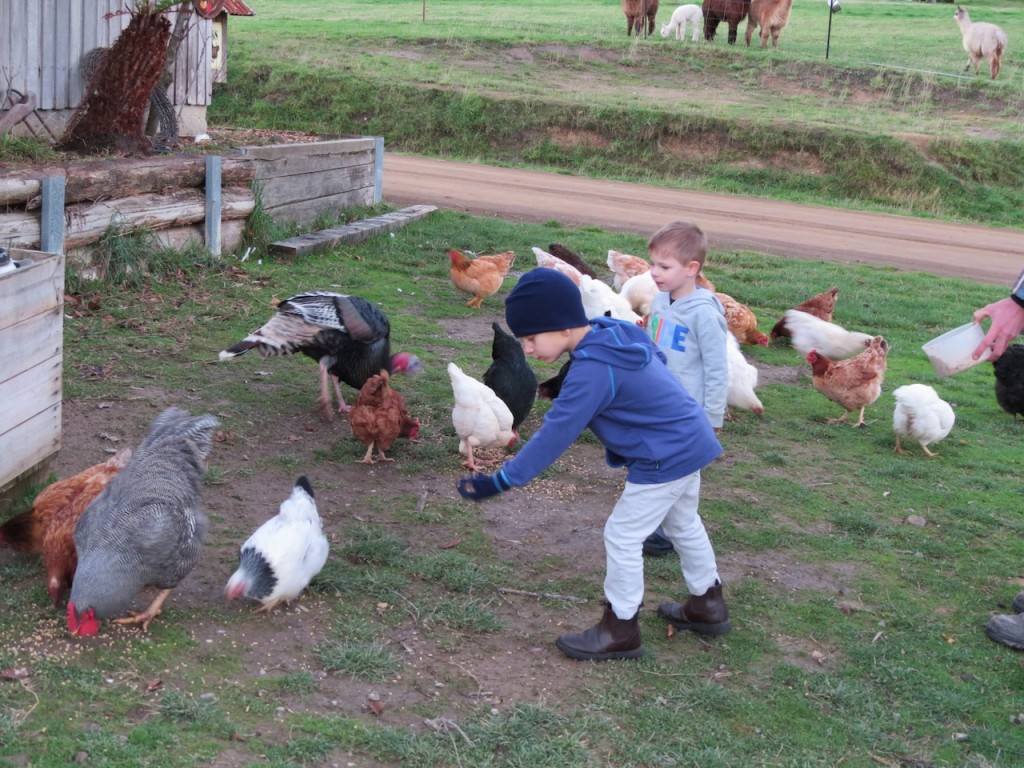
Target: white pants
[(639, 510)]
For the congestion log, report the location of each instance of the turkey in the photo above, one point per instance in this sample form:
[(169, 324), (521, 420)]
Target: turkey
[(347, 335), (146, 528), (284, 554)]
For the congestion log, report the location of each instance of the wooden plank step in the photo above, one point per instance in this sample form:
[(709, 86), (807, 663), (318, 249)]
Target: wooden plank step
[(355, 232)]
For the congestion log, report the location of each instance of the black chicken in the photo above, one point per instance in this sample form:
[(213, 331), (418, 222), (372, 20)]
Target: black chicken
[(510, 376), (573, 258), (550, 388), (1009, 371), (347, 335)]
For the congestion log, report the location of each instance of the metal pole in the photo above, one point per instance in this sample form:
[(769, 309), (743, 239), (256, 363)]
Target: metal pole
[(213, 205), (828, 39), (51, 220)]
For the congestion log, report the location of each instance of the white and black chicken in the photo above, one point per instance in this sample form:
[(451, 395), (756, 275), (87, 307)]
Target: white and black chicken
[(921, 415), (347, 335), (284, 554)]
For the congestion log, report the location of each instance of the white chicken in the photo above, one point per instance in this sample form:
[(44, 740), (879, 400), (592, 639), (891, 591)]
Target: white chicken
[(547, 260), (742, 380), (808, 332), (599, 300), (921, 415), (640, 291), (284, 554), (481, 419)]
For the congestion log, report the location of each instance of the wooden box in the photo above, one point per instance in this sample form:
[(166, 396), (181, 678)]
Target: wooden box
[(31, 365)]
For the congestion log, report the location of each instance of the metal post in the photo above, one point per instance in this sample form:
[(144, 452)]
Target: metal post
[(378, 169), (51, 219), (828, 39), (213, 205)]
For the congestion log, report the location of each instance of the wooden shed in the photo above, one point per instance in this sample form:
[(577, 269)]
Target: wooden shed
[(42, 44)]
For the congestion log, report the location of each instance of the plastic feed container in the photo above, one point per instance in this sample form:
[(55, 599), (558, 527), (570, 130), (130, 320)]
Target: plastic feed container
[(951, 352)]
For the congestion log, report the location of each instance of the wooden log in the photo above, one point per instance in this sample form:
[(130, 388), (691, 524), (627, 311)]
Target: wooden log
[(19, 229), (306, 211), (155, 212), (16, 190), (107, 179)]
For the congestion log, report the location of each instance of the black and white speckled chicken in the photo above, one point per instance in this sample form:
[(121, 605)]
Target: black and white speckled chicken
[(1009, 371), (510, 376), (284, 554), (347, 335), (146, 528)]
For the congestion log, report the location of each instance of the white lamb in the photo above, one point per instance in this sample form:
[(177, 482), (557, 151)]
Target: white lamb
[(981, 40), (681, 15)]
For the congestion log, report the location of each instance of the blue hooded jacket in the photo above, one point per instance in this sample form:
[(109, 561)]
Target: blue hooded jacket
[(619, 386)]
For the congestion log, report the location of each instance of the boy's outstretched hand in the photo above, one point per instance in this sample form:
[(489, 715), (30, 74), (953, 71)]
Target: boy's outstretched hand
[(480, 486)]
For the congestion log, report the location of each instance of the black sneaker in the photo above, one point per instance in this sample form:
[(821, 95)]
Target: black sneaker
[(657, 545)]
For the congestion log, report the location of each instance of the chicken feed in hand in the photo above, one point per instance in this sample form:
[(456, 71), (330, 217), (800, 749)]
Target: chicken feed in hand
[(279, 560)]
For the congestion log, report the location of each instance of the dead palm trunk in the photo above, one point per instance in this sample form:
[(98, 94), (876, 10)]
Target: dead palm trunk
[(112, 115)]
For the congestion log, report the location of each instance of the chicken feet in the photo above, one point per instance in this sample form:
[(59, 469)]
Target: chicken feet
[(146, 616), (368, 458), (842, 419)]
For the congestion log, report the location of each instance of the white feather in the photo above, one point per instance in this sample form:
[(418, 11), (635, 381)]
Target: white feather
[(481, 419), (550, 261), (599, 300), (808, 332), (921, 415), (640, 291), (742, 379)]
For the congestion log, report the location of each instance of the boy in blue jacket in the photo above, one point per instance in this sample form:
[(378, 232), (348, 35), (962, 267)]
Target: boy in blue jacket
[(619, 387)]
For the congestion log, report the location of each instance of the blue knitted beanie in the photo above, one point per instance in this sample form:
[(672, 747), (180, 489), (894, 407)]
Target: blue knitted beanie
[(544, 300)]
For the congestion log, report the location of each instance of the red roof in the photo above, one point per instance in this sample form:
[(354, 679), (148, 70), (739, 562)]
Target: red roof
[(238, 8)]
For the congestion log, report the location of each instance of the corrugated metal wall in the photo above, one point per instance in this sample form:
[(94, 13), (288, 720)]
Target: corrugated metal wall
[(42, 43)]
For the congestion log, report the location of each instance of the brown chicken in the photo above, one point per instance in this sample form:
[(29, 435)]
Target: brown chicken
[(854, 383), (378, 418), (742, 321), (482, 276), (625, 266), (49, 526), (821, 306)]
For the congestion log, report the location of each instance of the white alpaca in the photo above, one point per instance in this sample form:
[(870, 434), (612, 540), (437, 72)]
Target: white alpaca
[(981, 40), (681, 15)]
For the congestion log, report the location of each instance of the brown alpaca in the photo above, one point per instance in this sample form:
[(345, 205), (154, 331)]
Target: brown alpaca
[(771, 16), (732, 12), (636, 11)]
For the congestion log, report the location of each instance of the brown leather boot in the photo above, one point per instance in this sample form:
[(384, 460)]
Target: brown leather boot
[(610, 638), (705, 615)]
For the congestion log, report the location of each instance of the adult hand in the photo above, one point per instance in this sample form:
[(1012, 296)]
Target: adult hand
[(1007, 324), (480, 486)]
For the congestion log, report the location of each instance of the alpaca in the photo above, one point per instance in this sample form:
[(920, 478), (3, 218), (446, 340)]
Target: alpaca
[(771, 16), (635, 11), (981, 40), (684, 13), (732, 12)]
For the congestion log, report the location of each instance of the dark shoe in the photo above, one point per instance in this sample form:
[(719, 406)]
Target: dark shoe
[(1008, 630), (657, 545), (1018, 603), (705, 615), (610, 638)]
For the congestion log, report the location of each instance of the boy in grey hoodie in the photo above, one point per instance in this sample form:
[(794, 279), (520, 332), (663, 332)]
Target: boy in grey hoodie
[(688, 324), (619, 387)]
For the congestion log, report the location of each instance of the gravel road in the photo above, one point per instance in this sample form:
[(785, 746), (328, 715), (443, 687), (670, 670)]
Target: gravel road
[(731, 221)]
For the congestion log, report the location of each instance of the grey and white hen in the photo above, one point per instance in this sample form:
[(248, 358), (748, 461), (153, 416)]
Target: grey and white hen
[(146, 528)]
